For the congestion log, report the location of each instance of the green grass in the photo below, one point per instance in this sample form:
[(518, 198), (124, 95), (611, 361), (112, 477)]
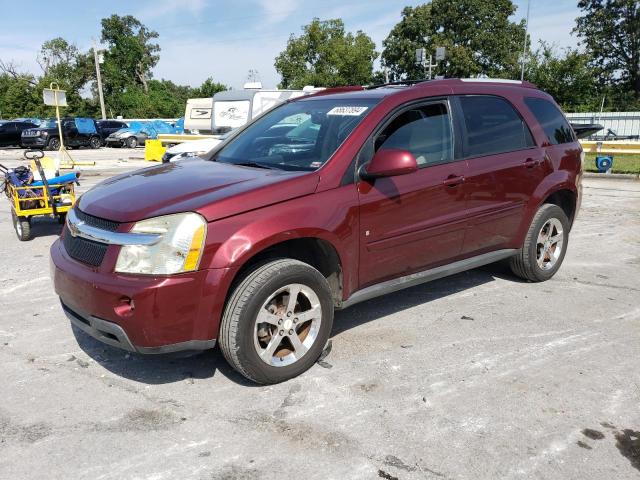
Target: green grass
[(622, 163)]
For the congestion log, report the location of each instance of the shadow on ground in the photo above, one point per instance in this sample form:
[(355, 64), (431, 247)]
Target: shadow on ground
[(168, 368)]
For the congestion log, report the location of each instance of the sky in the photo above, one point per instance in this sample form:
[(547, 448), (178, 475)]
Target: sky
[(224, 39)]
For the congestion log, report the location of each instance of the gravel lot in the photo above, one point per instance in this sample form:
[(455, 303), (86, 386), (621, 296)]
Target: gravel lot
[(477, 376)]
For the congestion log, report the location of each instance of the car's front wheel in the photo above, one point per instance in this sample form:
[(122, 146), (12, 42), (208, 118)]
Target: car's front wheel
[(277, 321), (53, 143), (545, 245), (131, 142)]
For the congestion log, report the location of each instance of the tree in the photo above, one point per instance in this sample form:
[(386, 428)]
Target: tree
[(610, 31), (131, 54), (566, 75), (479, 37), (325, 55), (209, 88)]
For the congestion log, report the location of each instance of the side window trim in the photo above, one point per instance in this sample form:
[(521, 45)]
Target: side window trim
[(464, 134)]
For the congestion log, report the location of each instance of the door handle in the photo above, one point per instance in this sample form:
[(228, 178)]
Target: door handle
[(530, 163), (453, 180)]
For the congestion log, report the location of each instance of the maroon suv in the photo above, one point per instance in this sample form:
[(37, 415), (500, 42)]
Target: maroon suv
[(323, 202)]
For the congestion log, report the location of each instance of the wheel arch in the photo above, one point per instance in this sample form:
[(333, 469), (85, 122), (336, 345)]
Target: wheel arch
[(318, 252)]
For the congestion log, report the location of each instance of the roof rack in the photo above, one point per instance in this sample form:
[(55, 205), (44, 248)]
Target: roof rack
[(399, 83)]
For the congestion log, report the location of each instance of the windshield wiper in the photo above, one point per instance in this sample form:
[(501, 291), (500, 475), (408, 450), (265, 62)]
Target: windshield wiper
[(255, 165)]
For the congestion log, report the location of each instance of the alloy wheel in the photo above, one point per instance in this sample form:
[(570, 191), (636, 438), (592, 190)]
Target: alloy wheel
[(287, 325), (549, 244)]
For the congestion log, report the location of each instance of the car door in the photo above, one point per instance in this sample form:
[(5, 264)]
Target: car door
[(504, 169), (412, 222), (70, 133)]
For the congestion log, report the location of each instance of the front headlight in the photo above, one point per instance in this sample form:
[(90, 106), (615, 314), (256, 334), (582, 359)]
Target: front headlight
[(178, 250)]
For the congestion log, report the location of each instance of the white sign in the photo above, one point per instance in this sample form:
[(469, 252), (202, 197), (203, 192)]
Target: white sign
[(347, 111), (440, 53), (231, 114), (49, 95)]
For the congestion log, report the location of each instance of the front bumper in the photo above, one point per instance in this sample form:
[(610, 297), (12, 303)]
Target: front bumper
[(114, 335), (34, 141), (146, 314), (114, 141)]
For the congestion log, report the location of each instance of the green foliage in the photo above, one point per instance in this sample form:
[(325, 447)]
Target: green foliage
[(566, 75), (478, 35), (610, 31), (131, 53), (208, 89), (326, 56)]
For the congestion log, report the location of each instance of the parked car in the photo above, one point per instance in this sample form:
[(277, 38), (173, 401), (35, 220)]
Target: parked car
[(11, 132), (107, 127), (126, 137), (256, 245), (76, 132), (192, 148)]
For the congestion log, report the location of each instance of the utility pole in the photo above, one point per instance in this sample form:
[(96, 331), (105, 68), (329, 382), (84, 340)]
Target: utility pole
[(524, 48), (96, 59)]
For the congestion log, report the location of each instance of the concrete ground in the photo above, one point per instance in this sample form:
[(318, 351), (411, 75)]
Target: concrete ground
[(477, 376)]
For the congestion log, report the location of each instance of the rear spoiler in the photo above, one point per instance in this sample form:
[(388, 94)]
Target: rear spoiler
[(584, 130)]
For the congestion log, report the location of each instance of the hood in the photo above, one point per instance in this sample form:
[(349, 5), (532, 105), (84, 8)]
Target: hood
[(122, 132), (203, 145), (216, 190)]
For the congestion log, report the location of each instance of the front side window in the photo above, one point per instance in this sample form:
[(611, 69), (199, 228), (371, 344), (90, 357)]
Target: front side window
[(551, 120), (493, 126), (300, 135), (424, 131)]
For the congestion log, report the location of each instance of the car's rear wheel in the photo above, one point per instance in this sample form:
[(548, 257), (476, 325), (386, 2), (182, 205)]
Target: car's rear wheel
[(132, 142), (53, 143), (545, 245), (94, 142), (277, 321)]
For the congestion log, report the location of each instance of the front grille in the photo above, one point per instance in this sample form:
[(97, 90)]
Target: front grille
[(83, 250), (96, 222)]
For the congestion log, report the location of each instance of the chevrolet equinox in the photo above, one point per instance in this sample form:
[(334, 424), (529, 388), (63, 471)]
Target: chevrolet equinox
[(320, 203)]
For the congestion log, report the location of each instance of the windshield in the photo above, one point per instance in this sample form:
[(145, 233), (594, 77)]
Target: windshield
[(299, 135), (49, 123)]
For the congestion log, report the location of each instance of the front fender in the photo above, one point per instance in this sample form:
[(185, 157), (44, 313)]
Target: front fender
[(331, 216)]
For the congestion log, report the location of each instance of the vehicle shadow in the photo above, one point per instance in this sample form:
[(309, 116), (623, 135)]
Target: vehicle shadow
[(176, 367), (382, 306)]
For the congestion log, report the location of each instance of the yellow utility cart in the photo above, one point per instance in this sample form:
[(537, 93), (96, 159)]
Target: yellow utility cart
[(29, 198)]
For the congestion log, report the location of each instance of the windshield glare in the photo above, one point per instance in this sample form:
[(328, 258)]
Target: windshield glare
[(299, 135), (49, 123)]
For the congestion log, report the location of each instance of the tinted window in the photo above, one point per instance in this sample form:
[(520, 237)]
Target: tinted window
[(301, 135), (551, 120), (424, 131), (493, 126)]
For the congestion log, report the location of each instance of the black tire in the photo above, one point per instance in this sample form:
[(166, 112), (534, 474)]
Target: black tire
[(53, 143), (237, 329), (131, 142), (22, 226), (94, 142), (524, 264)]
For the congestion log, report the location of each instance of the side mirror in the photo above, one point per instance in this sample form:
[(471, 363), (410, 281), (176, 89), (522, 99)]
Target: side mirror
[(389, 162)]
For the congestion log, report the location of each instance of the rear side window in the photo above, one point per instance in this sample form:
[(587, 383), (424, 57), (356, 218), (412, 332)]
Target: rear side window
[(424, 131), (551, 120), (493, 126)]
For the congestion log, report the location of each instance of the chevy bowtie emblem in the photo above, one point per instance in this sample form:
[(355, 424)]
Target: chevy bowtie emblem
[(73, 228)]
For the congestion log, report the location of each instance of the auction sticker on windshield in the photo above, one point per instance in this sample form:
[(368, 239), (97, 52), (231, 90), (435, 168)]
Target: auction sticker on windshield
[(346, 110)]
